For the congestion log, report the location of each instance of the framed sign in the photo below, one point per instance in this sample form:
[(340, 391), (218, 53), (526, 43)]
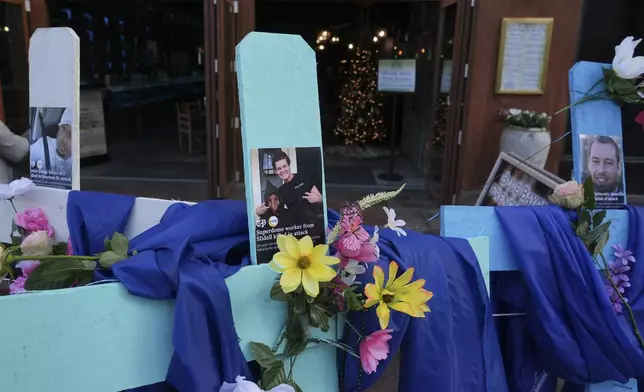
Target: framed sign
[(397, 76), (516, 183), (524, 51), (602, 160), (92, 124)]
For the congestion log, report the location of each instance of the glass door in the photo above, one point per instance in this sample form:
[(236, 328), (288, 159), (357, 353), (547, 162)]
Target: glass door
[(228, 123), (14, 66)]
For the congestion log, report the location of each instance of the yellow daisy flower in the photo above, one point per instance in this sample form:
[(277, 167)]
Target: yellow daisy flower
[(399, 294), (302, 264)]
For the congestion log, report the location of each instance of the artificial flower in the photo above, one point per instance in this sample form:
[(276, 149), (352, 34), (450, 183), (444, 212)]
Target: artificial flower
[(15, 188), (374, 241), (27, 266), (373, 349), (351, 270), (393, 223), (624, 64), (399, 294), (568, 195), (302, 264), (365, 254), (38, 243), (338, 289), (243, 385), (33, 219), (18, 285), (70, 249), (354, 235), (623, 256)]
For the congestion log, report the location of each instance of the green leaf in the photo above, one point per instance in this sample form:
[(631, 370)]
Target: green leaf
[(597, 232), (54, 274), (295, 336), (589, 193), (107, 243), (598, 217), (352, 299), (84, 278), (274, 376), (263, 355), (120, 244), (318, 318), (603, 240), (582, 229), (16, 240), (59, 249), (277, 294), (109, 258), (299, 303)]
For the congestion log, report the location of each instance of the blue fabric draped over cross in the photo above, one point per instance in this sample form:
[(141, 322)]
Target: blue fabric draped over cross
[(570, 330), (458, 335)]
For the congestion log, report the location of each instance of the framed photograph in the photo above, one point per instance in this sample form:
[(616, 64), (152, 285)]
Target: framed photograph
[(51, 147), (524, 51), (287, 195), (602, 159), (515, 183)]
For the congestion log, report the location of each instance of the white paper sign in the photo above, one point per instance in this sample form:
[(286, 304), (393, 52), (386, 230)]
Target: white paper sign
[(54, 84), (397, 76)]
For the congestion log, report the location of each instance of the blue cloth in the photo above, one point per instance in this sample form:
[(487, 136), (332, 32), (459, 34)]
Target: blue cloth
[(571, 331), (453, 349), (182, 258)]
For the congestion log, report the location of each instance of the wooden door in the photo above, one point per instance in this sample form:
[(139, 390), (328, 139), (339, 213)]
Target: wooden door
[(454, 133), (14, 68), (228, 135)]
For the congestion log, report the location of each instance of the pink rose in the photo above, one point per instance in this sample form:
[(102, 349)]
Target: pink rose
[(70, 249), (34, 219), (373, 349), (568, 195)]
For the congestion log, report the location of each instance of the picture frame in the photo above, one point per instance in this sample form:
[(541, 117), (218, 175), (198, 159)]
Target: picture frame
[(515, 182), (530, 39)]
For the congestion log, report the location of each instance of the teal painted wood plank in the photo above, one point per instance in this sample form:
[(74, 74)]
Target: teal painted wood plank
[(96, 338), (469, 221), (278, 100)]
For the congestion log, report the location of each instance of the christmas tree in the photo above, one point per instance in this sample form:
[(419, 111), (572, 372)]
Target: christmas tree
[(361, 116)]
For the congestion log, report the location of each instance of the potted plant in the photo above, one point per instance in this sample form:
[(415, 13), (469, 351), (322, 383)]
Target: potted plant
[(527, 135)]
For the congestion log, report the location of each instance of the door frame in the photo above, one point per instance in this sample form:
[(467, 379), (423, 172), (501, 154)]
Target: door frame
[(451, 176), (210, 99)]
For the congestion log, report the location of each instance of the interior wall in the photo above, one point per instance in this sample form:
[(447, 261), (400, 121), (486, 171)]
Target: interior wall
[(481, 128)]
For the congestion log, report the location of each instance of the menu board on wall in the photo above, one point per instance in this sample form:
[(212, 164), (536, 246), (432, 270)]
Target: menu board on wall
[(92, 124), (523, 55), (398, 76)]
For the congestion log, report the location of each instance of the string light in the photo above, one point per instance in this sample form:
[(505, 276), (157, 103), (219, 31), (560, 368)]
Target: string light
[(361, 118), (375, 39), (422, 51), (335, 39), (6, 29), (381, 33), (321, 47), (350, 46)]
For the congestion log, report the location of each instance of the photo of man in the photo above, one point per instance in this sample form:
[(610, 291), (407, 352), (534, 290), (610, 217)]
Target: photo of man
[(50, 153), (288, 185), (604, 165)]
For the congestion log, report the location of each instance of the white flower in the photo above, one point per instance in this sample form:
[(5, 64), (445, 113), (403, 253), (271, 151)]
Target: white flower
[(374, 241), (624, 64), (515, 112), (37, 243), (15, 188), (241, 385), (393, 223)]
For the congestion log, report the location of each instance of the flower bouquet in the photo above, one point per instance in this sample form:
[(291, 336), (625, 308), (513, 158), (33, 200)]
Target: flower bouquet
[(317, 285), (32, 261)]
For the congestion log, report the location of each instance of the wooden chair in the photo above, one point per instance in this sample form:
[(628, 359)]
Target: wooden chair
[(188, 114)]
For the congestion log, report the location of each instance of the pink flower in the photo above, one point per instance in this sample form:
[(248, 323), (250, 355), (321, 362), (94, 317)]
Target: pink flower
[(70, 249), (568, 195), (354, 233), (373, 349), (18, 285), (366, 253), (27, 267), (34, 219)]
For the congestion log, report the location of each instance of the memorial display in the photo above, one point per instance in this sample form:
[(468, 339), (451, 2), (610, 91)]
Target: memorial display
[(195, 297)]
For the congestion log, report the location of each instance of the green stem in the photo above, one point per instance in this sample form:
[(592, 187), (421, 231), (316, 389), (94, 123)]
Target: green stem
[(335, 344), (586, 98), (631, 315), (13, 205), (13, 259)]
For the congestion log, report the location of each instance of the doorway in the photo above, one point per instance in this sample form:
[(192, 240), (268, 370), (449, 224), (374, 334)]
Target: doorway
[(14, 69)]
